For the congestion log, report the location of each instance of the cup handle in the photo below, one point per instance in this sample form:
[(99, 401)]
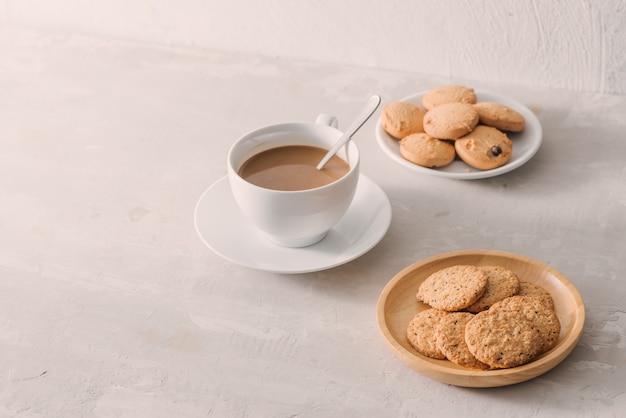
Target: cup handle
[(327, 119)]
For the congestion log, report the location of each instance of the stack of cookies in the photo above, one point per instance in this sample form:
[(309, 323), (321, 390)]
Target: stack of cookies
[(483, 317), (452, 123)]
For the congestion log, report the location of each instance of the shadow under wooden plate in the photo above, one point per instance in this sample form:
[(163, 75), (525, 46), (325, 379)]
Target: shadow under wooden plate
[(397, 306)]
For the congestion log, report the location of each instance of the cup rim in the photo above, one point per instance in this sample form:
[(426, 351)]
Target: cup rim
[(285, 126)]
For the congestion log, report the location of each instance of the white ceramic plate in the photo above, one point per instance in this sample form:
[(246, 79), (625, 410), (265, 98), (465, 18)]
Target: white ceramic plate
[(525, 143), (224, 229)]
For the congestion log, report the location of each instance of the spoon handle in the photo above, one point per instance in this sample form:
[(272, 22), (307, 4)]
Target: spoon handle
[(371, 106)]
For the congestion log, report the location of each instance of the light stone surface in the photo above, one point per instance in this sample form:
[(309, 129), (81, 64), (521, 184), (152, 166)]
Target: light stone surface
[(111, 306)]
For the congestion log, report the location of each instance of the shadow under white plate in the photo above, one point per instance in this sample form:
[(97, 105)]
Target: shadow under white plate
[(225, 230), (525, 143)]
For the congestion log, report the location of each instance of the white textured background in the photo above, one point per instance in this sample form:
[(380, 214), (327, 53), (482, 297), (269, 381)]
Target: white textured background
[(562, 44)]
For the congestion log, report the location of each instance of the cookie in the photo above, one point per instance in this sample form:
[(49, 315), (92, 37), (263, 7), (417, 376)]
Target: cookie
[(400, 119), (450, 120), (450, 336), (448, 94), (535, 310), (501, 283), (422, 149), (421, 333), (484, 148), (500, 116), (453, 288), (512, 332), (531, 289)]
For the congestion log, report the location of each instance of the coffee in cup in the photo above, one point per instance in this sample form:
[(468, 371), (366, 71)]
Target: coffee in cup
[(292, 167)]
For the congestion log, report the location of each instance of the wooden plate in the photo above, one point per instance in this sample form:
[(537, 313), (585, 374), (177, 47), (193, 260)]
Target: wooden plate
[(397, 306)]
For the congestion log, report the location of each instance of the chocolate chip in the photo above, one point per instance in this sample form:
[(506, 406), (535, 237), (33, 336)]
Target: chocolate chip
[(496, 150)]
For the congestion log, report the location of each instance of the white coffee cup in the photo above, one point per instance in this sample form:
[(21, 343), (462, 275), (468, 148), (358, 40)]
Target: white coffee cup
[(293, 218)]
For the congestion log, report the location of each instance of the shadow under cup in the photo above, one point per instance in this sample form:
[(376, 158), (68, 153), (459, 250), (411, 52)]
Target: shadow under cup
[(293, 218)]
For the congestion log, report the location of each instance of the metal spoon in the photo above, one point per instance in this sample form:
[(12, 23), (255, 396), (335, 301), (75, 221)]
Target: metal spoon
[(371, 106)]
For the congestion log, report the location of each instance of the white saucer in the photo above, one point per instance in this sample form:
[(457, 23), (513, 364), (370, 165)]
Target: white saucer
[(224, 229), (525, 143)]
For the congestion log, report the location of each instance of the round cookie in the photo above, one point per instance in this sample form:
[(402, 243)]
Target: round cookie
[(484, 148), (450, 335), (512, 332), (453, 288), (422, 149), (448, 94), (450, 120), (400, 119), (501, 283), (421, 333), (500, 116), (535, 310), (531, 289)]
